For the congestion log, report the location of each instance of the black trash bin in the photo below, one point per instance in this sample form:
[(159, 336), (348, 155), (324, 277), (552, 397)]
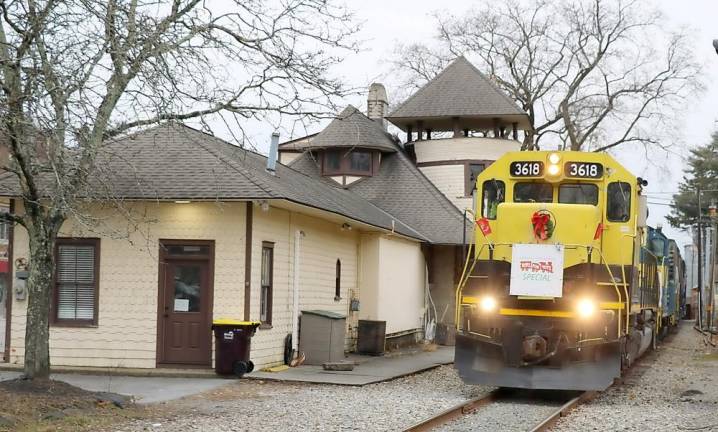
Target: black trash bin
[(232, 342)]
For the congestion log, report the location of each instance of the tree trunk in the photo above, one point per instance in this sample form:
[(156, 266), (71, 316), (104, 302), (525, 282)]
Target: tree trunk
[(39, 288)]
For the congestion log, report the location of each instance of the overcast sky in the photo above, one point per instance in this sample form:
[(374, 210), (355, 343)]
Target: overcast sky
[(386, 23)]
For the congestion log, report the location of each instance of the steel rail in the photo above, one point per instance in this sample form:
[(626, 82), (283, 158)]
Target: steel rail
[(462, 409), (471, 406), (563, 411)]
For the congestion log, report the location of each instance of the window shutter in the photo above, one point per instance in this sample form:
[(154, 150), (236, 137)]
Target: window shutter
[(76, 282)]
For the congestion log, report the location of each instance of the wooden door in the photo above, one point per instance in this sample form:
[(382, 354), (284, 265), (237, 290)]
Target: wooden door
[(185, 311)]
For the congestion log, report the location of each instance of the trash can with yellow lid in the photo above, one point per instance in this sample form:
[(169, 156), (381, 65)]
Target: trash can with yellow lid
[(232, 340)]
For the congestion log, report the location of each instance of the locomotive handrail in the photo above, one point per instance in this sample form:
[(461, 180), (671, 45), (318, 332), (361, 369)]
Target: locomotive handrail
[(465, 276)]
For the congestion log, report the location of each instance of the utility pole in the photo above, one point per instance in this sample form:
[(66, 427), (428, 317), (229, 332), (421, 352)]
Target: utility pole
[(711, 281), (700, 264), (699, 320)]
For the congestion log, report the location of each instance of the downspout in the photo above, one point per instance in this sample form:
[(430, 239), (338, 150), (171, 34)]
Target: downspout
[(249, 217), (298, 235)]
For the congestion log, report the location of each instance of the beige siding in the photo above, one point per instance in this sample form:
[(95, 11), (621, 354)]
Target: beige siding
[(402, 284), (463, 149), (369, 276), (449, 179), (127, 328), (288, 157), (323, 243), (394, 292), (126, 334)]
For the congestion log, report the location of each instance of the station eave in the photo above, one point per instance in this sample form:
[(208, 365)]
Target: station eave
[(473, 122)]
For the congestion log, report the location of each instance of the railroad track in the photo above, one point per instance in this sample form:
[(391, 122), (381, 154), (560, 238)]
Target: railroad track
[(482, 411)]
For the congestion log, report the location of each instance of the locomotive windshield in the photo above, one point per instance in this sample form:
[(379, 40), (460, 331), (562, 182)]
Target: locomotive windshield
[(533, 193), (578, 193)]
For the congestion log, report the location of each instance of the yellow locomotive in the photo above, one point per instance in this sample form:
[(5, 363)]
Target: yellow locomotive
[(551, 294)]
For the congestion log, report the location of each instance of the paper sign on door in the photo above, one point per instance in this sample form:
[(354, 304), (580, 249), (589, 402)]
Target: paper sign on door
[(181, 305)]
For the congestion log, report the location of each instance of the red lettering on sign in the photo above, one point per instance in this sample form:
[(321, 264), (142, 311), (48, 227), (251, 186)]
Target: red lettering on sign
[(536, 266)]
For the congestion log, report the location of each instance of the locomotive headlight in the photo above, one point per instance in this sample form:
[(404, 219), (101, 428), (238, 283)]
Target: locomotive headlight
[(554, 158), (553, 170), (586, 308), (487, 304)]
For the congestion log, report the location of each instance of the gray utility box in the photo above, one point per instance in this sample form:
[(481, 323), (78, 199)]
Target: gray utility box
[(321, 336)]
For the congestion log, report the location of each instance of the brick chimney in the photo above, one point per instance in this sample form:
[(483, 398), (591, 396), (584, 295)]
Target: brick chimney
[(377, 104)]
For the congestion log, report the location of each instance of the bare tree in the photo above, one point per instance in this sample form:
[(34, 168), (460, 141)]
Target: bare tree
[(75, 72), (593, 74)]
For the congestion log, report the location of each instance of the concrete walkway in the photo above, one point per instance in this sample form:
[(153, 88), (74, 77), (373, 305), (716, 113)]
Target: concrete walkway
[(368, 369), (144, 390)]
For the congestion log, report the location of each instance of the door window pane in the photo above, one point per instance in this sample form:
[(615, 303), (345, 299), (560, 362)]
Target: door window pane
[(187, 250), (187, 281), (493, 194), (533, 193), (579, 193)]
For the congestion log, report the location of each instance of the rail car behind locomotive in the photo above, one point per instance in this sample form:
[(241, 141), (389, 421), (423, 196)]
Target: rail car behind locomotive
[(557, 291)]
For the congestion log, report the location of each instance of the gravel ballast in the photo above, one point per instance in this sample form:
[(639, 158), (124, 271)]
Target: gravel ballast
[(671, 389), (514, 412), (272, 406)]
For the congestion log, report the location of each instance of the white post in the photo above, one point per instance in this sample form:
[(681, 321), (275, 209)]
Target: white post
[(295, 285)]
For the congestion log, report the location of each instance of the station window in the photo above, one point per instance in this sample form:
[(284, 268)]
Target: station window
[(493, 193), (578, 193), (345, 162), (76, 281), (338, 282), (267, 284), (533, 193), (618, 203)]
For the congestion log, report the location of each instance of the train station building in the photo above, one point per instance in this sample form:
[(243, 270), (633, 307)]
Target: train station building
[(353, 223)]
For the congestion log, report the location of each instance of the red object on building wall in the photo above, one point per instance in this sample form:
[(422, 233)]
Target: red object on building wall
[(4, 266)]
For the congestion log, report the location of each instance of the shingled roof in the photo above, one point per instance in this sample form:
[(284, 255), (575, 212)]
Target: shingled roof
[(402, 190), (350, 129), (175, 162), (460, 90)]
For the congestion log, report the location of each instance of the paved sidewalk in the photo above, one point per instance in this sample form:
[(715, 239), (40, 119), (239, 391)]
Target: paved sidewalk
[(368, 369), (143, 389)]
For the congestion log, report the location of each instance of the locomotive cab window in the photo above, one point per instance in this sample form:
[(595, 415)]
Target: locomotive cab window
[(658, 247), (618, 205), (533, 193), (493, 193), (578, 193)]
